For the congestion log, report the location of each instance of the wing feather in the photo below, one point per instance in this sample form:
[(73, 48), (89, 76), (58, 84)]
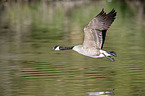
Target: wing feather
[(98, 21), (110, 17), (95, 31)]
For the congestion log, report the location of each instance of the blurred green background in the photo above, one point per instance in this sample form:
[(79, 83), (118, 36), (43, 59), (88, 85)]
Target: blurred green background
[(28, 66)]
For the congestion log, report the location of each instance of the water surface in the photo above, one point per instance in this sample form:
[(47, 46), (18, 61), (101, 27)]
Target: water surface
[(28, 66)]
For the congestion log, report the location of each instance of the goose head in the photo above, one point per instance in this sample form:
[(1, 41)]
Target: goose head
[(56, 47)]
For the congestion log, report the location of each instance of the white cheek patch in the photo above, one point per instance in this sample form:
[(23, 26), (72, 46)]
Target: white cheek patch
[(57, 48)]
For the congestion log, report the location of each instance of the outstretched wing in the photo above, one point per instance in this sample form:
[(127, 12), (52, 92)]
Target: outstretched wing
[(95, 31)]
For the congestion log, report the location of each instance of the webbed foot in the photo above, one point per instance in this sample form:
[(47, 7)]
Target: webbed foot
[(113, 53), (109, 57), (112, 59)]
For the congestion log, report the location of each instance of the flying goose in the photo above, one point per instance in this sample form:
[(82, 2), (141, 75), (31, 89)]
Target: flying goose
[(94, 37)]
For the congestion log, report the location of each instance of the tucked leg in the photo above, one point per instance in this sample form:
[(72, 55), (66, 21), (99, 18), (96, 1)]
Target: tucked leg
[(113, 53), (109, 57), (112, 59)]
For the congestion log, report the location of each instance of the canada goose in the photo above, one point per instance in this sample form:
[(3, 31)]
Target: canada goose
[(94, 38)]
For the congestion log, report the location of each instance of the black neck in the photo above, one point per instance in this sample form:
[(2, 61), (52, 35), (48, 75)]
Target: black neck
[(66, 48)]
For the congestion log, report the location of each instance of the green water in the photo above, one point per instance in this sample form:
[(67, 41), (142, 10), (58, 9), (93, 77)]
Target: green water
[(28, 66)]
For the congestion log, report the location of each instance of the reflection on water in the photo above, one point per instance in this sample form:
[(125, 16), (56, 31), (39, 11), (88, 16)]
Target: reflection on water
[(100, 94), (28, 67)]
